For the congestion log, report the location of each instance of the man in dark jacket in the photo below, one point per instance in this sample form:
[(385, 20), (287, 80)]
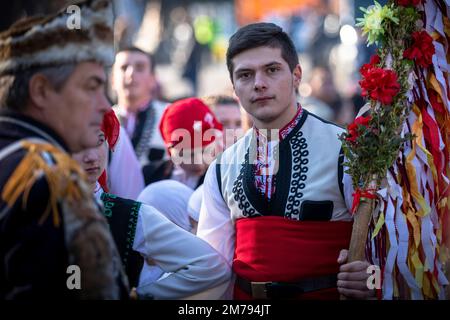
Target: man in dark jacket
[(54, 243)]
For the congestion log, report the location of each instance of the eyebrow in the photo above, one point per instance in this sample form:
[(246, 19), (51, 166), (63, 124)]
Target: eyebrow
[(274, 63), (270, 64)]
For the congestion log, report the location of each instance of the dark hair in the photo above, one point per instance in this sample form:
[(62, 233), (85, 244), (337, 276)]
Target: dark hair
[(261, 34), (147, 54)]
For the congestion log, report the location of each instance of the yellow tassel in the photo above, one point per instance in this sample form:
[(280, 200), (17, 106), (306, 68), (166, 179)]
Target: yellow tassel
[(64, 178)]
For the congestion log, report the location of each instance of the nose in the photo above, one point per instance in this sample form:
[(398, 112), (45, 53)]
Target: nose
[(103, 103), (90, 156), (260, 82), (129, 73)]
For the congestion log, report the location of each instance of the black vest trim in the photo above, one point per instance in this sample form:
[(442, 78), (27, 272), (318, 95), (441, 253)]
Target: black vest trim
[(251, 201), (122, 216), (218, 174), (341, 172)]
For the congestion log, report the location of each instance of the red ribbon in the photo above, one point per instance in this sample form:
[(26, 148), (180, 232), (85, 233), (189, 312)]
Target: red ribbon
[(102, 180), (358, 194), (431, 133)]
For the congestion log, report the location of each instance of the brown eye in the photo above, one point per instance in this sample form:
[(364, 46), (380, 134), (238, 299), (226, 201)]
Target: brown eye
[(140, 67), (101, 140), (244, 75)]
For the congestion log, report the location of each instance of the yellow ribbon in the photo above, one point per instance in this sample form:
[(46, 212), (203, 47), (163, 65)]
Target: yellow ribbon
[(64, 178)]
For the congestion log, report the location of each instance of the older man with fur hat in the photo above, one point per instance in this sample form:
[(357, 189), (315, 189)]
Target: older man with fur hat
[(54, 243)]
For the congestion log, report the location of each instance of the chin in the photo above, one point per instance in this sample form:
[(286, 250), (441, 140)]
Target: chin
[(198, 172), (266, 118)]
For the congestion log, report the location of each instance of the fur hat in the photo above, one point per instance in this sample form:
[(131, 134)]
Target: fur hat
[(50, 41)]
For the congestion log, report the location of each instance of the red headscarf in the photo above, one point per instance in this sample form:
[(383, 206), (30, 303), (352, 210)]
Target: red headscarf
[(191, 115), (111, 129)]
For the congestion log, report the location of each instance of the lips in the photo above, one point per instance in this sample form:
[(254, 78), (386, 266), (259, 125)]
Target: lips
[(261, 99), (129, 85), (92, 170)]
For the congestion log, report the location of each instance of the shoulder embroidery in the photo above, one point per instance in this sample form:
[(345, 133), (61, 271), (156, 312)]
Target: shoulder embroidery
[(239, 194), (64, 176), (143, 146), (300, 153)]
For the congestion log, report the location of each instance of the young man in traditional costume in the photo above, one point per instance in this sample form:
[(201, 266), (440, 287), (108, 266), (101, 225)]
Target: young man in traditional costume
[(52, 101), (139, 112), (276, 206)]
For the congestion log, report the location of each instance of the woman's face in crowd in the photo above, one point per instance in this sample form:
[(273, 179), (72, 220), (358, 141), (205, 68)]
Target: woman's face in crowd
[(94, 160)]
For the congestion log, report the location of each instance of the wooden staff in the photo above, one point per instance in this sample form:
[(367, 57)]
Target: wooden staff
[(361, 221)]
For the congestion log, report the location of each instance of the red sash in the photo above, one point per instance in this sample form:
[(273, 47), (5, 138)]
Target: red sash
[(273, 248)]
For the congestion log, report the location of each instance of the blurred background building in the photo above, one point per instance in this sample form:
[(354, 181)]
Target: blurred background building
[(189, 39)]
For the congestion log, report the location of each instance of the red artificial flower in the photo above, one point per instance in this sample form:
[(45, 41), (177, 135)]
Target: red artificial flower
[(380, 84), (374, 60), (352, 128), (406, 3), (422, 49), (111, 128)]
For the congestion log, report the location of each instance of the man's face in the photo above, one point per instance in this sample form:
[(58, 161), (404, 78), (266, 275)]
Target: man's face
[(132, 77), (76, 111), (230, 117), (265, 86)]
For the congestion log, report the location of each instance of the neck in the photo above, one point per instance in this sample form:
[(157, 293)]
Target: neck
[(280, 122), (134, 105)]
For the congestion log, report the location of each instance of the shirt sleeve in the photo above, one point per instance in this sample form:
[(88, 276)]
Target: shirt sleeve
[(194, 265), (124, 170), (348, 190), (215, 225)]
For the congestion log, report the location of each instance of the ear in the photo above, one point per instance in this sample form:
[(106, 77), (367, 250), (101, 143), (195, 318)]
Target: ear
[(152, 84), (39, 90), (297, 72)]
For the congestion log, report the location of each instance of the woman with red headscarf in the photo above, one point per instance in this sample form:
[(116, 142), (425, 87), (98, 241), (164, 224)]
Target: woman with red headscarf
[(144, 236)]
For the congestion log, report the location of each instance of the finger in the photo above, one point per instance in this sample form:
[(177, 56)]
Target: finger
[(355, 294), (353, 276), (354, 266), (353, 285), (343, 256), (133, 294)]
